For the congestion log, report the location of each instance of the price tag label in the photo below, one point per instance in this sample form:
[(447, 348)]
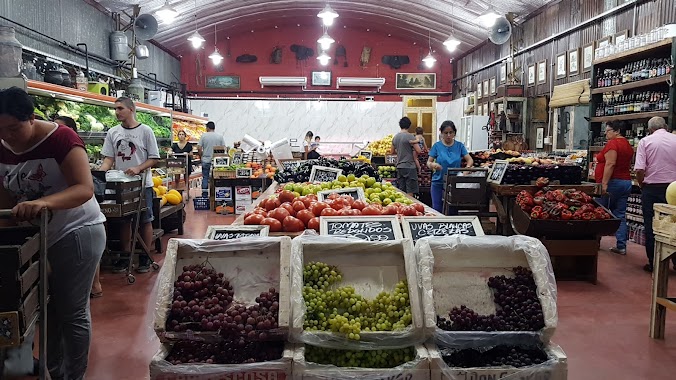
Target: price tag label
[(354, 192), (235, 232), (380, 228), (417, 227), (237, 158), (391, 159), (243, 172), (324, 174)]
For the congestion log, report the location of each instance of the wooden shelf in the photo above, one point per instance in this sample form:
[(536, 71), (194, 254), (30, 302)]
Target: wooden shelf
[(632, 85), (630, 116), (632, 53)]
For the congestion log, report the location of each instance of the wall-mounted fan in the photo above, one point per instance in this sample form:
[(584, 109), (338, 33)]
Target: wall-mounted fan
[(501, 31)]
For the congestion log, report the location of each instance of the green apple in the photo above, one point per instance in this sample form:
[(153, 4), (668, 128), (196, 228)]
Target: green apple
[(342, 178), (370, 181), (387, 201), (288, 186), (298, 188), (350, 178)]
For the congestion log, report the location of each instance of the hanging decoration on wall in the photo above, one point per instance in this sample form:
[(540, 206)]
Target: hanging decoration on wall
[(395, 61), (246, 58), (276, 55), (365, 56), (340, 52), (302, 52)]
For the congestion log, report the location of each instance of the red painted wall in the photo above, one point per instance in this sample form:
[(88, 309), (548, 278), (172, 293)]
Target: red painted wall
[(261, 43)]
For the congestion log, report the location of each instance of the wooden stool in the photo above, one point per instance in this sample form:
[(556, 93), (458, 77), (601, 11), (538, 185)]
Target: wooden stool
[(664, 249)]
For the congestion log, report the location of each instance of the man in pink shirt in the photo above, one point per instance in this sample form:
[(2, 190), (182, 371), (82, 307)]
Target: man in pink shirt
[(655, 169)]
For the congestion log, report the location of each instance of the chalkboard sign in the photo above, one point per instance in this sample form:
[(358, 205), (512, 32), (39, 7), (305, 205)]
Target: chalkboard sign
[(366, 154), (498, 171), (229, 232), (354, 192), (376, 228), (220, 162), (417, 227), (324, 174), (237, 158), (290, 165), (176, 162), (243, 173), (391, 159)]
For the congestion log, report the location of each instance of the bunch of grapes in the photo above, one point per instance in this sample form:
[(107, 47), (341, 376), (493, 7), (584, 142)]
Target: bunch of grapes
[(498, 356), (361, 359), (253, 322), (343, 311), (227, 352), (519, 307)]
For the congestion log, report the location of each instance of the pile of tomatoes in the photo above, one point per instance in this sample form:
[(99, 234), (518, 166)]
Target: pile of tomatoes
[(560, 205), (289, 213)]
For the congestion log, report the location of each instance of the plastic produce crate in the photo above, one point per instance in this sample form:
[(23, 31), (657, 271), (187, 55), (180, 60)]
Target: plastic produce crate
[(160, 369), (417, 369), (371, 268), (252, 265), (455, 271)]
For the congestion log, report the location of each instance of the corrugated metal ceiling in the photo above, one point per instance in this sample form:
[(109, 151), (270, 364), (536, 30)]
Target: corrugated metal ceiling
[(406, 19)]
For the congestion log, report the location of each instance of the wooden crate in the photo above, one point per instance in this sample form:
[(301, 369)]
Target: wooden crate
[(371, 268), (251, 265), (574, 259), (280, 369), (418, 369), (556, 368), (121, 198), (455, 271), (664, 221), (220, 174)]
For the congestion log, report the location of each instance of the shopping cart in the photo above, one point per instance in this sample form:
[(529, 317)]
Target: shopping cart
[(19, 280)]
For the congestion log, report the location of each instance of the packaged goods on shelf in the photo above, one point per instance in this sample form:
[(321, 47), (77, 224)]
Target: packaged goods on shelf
[(469, 280), (375, 275), (250, 268), (417, 368)]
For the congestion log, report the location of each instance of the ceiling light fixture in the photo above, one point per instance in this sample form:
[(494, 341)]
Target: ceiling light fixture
[(327, 15), (325, 41), (167, 14), (196, 38), (215, 57), (324, 59), (451, 42), (429, 60)]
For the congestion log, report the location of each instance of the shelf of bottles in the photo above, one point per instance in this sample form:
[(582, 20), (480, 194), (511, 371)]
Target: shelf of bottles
[(634, 217)]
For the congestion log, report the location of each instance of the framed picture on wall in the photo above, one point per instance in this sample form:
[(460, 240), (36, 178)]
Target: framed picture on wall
[(479, 93), (486, 88), (620, 37), (574, 61), (321, 78), (493, 86), (416, 81), (542, 72), (561, 66), (531, 75), (223, 81), (603, 42), (587, 57), (540, 138), (503, 73)]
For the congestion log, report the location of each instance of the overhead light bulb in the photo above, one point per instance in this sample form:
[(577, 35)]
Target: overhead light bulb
[(196, 40), (429, 60), (327, 15), (325, 41), (489, 19), (324, 58), (451, 43), (216, 57), (167, 14)]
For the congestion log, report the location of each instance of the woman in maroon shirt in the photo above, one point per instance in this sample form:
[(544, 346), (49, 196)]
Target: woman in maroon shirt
[(613, 165)]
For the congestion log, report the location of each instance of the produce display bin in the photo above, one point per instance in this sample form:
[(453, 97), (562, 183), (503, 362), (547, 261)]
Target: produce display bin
[(418, 369), (454, 271), (664, 221), (252, 265), (371, 268), (555, 368), (160, 369)]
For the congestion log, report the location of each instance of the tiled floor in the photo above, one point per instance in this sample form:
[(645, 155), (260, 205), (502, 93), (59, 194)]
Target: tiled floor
[(602, 328)]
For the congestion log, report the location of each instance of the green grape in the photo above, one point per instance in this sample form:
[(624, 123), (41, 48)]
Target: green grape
[(360, 359)]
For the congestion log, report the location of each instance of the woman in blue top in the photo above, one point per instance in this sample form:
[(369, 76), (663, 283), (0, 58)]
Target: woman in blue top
[(445, 153)]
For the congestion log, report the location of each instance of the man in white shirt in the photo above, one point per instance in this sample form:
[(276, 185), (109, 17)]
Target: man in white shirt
[(205, 147)]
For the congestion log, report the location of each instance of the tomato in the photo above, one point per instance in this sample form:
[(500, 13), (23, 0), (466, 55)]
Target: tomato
[(298, 205), (418, 213), (313, 224), (390, 209), (260, 210), (318, 207), (272, 203), (292, 224), (254, 219), (275, 225), (347, 199), (312, 197), (279, 213), (359, 204), (337, 204), (288, 207), (419, 207), (329, 212), (286, 196), (307, 202), (305, 216), (407, 210), (333, 196), (371, 210)]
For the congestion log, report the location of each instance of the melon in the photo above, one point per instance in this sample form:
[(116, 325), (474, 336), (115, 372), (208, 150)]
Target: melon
[(173, 199), (163, 200), (157, 192), (671, 193), (157, 181), (162, 189)]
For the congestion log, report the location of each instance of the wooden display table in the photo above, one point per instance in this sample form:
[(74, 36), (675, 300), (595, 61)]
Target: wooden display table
[(664, 227)]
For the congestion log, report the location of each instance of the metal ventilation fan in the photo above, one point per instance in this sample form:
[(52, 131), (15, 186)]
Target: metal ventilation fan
[(500, 32)]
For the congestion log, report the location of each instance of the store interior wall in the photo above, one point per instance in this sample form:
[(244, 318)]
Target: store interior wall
[(197, 67), (75, 21)]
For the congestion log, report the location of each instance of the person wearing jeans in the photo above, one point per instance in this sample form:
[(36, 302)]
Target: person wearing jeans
[(205, 148), (613, 171), (206, 171)]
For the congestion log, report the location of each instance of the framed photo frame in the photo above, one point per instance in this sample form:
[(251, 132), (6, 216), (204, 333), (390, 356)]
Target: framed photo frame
[(223, 81), (416, 81), (503, 73), (493, 87), (603, 42), (574, 61), (561, 65), (542, 72), (531, 75), (587, 57), (479, 93), (321, 78), (486, 88), (620, 37), (540, 138)]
